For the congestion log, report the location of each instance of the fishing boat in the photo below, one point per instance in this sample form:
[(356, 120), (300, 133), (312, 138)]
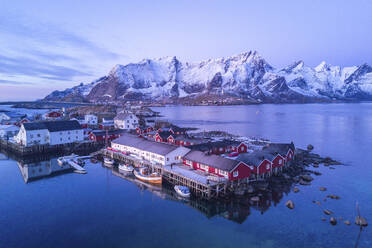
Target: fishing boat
[(144, 175), (108, 161), (126, 167), (182, 191)]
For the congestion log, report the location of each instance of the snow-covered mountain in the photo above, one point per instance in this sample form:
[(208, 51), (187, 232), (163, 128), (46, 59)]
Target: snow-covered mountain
[(246, 76)]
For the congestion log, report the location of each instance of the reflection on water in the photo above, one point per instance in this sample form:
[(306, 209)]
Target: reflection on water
[(236, 210), (42, 169)]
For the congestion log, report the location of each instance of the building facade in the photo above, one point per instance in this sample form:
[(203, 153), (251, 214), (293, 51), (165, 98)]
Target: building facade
[(50, 132), (126, 121), (154, 152)]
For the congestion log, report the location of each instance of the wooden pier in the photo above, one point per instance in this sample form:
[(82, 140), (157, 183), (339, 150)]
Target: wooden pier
[(44, 149), (176, 175)]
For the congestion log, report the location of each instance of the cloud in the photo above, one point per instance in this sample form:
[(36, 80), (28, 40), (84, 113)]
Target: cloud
[(48, 55), (50, 34), (31, 67), (14, 82)]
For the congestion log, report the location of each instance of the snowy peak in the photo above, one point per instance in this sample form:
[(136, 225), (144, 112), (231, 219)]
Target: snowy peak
[(246, 76)]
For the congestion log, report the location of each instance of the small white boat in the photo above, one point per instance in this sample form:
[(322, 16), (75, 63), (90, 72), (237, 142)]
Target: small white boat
[(60, 161), (126, 167), (63, 160), (108, 161), (182, 191)]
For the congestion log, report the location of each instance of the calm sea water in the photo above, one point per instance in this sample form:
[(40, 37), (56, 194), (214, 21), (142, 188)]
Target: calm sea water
[(102, 209)]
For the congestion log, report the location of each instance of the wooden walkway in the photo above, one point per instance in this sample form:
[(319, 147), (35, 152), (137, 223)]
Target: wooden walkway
[(176, 175)]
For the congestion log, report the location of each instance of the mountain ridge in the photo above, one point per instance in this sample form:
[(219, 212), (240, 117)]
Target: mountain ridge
[(245, 78)]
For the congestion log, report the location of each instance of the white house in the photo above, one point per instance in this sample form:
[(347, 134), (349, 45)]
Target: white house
[(50, 132), (127, 121), (155, 152), (91, 119), (7, 131)]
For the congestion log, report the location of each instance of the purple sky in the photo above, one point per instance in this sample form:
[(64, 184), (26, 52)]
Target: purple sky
[(48, 45)]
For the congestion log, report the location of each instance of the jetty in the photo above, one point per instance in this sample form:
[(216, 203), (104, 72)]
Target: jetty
[(199, 183)]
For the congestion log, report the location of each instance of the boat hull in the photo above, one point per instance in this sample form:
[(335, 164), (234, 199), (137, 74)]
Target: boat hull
[(180, 193), (149, 179), (126, 168)]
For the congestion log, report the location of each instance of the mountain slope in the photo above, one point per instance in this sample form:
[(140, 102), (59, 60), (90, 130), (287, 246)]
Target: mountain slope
[(246, 76)]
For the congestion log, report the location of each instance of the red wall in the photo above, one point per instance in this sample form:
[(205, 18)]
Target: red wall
[(275, 162), (262, 168), (243, 172)]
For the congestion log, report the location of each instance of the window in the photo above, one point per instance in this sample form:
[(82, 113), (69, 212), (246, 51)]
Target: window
[(167, 159), (68, 138), (280, 161), (31, 136), (68, 132), (236, 173), (38, 135), (61, 139), (267, 166)]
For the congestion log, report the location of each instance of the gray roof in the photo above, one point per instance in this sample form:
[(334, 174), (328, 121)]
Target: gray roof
[(279, 148), (143, 144), (212, 160), (255, 158), (216, 144), (53, 126)]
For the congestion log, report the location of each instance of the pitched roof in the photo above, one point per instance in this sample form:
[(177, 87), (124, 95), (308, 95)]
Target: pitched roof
[(255, 158), (53, 126), (214, 161), (145, 145), (279, 148), (216, 144), (165, 134)]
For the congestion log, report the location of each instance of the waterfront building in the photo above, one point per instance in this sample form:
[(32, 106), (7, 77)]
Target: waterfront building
[(220, 147), (217, 165), (50, 132), (154, 152), (100, 135), (126, 121)]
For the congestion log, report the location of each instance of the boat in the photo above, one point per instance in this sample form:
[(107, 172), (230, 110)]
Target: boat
[(126, 167), (60, 161), (108, 161), (182, 191), (144, 175)]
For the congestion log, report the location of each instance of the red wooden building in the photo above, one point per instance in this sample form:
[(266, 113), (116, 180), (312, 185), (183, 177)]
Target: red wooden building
[(221, 147), (53, 115), (217, 165), (100, 136), (144, 130)]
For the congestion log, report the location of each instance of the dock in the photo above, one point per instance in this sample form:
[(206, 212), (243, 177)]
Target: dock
[(178, 174)]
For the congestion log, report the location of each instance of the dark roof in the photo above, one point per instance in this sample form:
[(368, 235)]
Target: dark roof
[(53, 126), (255, 158), (212, 160), (165, 134), (216, 144), (145, 145), (280, 148)]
